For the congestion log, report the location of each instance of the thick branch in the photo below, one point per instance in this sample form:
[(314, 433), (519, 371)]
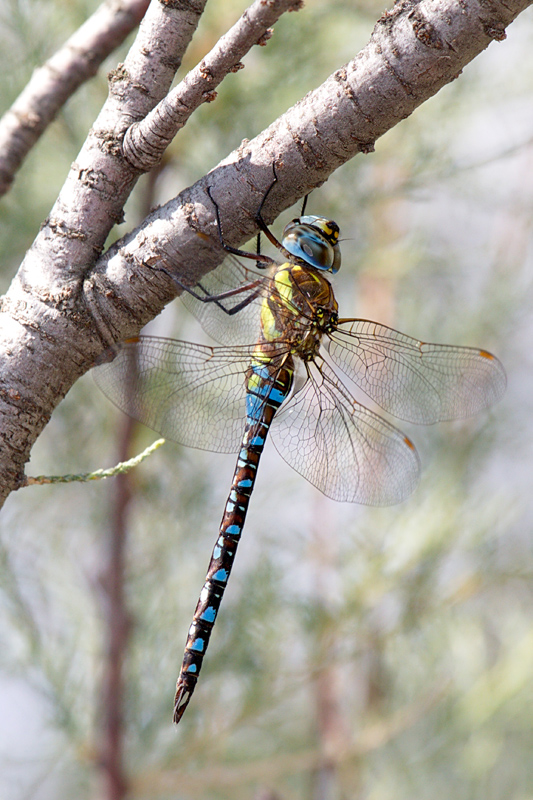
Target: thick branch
[(146, 141), (52, 84), (100, 180), (46, 295), (414, 50), (46, 291)]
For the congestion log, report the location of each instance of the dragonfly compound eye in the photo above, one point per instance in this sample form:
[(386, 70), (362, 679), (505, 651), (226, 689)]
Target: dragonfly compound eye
[(315, 241)]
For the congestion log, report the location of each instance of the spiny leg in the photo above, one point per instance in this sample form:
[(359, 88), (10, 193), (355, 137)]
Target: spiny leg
[(262, 260), (262, 224), (254, 287)]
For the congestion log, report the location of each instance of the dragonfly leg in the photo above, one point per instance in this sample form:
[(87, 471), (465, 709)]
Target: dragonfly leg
[(262, 260), (216, 298), (259, 215), (264, 227)]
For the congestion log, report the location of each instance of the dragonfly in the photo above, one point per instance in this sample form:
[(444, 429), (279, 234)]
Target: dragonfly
[(283, 367)]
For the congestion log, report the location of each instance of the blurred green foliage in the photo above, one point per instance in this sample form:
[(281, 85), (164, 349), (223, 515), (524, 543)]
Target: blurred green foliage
[(376, 653)]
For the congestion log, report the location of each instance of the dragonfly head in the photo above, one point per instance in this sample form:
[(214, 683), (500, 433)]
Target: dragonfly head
[(314, 240)]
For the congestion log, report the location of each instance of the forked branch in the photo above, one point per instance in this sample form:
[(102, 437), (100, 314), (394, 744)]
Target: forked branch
[(146, 141)]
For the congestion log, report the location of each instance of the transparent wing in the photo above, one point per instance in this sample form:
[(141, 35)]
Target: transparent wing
[(190, 393), (248, 286), (416, 381), (341, 447)]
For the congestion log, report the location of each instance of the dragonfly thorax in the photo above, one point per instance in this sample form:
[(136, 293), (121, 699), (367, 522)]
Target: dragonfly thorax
[(300, 308), (327, 319), (314, 241)]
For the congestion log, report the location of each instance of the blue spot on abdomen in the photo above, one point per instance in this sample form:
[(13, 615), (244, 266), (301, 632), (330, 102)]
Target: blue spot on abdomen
[(209, 615), (221, 575), (234, 530)]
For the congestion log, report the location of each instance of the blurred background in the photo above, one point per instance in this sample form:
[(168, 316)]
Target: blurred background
[(360, 653)]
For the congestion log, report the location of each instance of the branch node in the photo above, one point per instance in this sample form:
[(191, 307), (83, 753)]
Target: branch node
[(266, 36), (496, 31), (120, 73)]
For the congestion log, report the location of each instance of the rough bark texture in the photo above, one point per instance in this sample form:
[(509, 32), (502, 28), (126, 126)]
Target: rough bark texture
[(44, 310), (145, 142), (61, 310)]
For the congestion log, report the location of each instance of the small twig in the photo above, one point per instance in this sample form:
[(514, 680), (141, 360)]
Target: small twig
[(118, 469), (52, 84), (146, 141)]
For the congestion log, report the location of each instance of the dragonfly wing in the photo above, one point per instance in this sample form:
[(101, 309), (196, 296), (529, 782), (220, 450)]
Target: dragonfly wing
[(235, 318), (341, 447), (416, 381), (190, 393)]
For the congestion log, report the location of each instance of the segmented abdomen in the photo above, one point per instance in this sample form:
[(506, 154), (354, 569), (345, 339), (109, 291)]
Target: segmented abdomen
[(267, 387)]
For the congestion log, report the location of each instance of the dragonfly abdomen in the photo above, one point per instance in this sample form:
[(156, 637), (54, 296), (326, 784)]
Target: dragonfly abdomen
[(267, 388)]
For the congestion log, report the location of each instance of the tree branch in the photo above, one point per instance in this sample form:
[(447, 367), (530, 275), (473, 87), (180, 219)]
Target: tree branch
[(45, 308), (52, 84), (52, 327), (146, 141), (415, 49), (100, 180), (46, 289)]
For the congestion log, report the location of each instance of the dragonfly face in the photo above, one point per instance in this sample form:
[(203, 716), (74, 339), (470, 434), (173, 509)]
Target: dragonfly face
[(314, 240)]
